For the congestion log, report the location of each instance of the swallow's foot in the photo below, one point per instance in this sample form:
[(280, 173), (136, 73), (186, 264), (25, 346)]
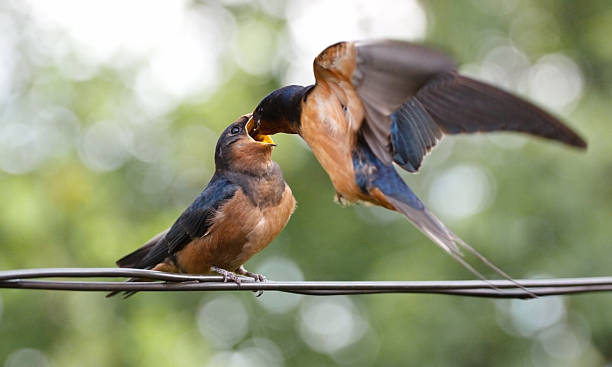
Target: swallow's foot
[(227, 275), (258, 277)]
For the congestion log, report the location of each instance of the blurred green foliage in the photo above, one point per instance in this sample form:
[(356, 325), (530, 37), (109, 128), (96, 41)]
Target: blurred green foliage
[(107, 173)]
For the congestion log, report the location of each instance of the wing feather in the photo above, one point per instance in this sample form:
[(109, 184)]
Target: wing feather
[(194, 222), (459, 104), (387, 74), (412, 95)]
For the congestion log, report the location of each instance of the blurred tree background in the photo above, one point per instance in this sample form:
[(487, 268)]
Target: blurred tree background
[(109, 114)]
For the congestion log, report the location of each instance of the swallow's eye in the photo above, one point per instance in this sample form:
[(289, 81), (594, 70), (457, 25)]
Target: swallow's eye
[(235, 130)]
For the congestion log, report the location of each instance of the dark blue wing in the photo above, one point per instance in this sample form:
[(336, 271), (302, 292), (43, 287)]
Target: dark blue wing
[(387, 73), (412, 95), (193, 222), (450, 103), (413, 134)]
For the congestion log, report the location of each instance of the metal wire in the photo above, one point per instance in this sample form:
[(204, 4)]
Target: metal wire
[(159, 281)]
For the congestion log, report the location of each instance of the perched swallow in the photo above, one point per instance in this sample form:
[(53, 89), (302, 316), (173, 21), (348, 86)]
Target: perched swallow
[(376, 103), (244, 206)]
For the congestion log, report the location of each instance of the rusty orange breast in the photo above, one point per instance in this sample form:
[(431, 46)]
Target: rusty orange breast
[(240, 230), (331, 118)]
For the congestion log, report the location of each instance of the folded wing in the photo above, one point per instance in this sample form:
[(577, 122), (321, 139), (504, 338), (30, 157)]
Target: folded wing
[(194, 222)]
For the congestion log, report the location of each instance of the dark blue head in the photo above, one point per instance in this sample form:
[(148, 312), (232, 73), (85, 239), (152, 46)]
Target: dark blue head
[(280, 111), (237, 151)]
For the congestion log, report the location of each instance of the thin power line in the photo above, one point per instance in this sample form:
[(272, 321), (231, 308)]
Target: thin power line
[(167, 282)]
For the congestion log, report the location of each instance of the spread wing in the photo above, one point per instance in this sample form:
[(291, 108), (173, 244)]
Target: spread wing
[(412, 96), (194, 222), (450, 103)]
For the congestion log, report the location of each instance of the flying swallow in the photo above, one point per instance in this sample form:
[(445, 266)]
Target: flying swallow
[(376, 103), (244, 206)]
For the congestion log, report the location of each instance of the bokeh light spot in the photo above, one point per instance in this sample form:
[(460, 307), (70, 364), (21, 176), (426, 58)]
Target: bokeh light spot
[(256, 352), (529, 317), (224, 321), (104, 146), (316, 24), (27, 357), (330, 324), (240, 358), (254, 47), (279, 268), (561, 342), (263, 350), (461, 191), (8, 39), (556, 82), (19, 152), (28, 138), (151, 178)]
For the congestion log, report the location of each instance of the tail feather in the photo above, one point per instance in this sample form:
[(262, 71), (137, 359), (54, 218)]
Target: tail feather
[(433, 228), (126, 294), (134, 260)]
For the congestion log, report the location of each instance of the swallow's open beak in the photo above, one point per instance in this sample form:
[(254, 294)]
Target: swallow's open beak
[(260, 138)]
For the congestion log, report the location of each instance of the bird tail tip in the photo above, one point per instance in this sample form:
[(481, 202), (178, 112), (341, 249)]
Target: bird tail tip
[(433, 228)]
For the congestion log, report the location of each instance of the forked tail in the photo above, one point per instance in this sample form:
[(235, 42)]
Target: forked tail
[(407, 203), (137, 259)]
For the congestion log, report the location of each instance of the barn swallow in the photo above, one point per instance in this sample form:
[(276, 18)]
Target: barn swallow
[(376, 103), (244, 206)]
